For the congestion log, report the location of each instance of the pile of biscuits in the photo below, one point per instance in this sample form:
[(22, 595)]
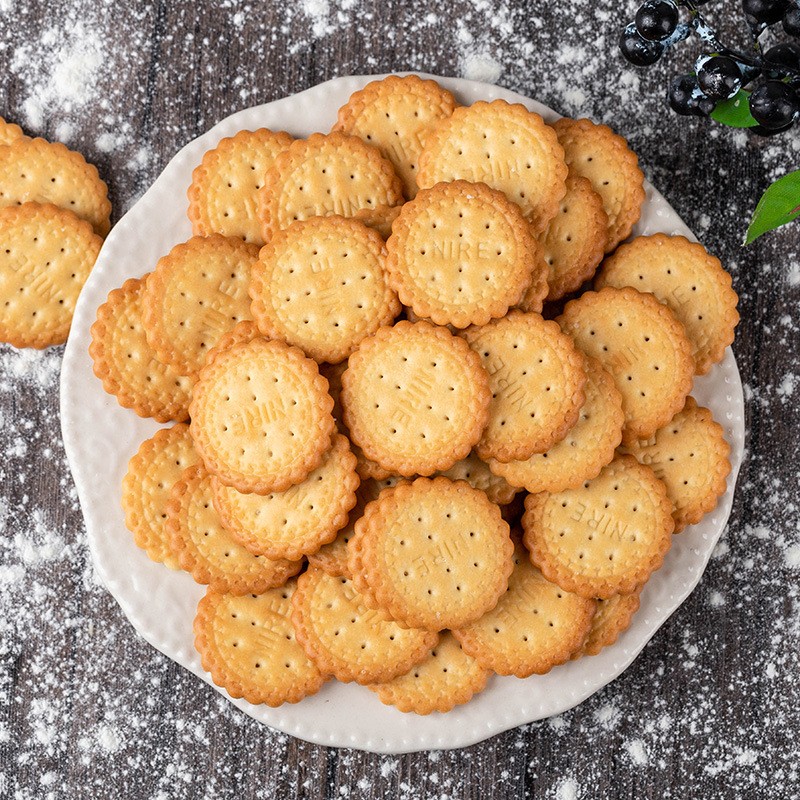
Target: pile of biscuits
[(54, 213), (412, 448)]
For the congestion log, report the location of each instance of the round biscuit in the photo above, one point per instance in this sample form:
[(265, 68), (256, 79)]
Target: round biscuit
[(434, 553), (687, 278), (604, 158), (323, 175), (535, 626), (223, 195), (320, 285), (248, 645), (261, 416), (584, 451), (127, 365), (644, 347), (415, 398), (152, 472), (347, 639), (536, 376), (505, 146), (46, 254), (607, 536), (612, 618), (196, 293), (461, 254), (394, 115)]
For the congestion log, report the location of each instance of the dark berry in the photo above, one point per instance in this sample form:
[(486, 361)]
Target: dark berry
[(685, 97), (719, 78), (783, 58), (762, 131), (657, 19), (638, 51), (765, 12), (774, 105), (791, 20)]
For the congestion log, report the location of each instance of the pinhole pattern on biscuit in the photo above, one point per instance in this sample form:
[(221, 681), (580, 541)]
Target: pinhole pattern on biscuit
[(607, 536), (223, 196), (688, 279), (691, 456), (347, 639), (197, 293), (146, 487), (461, 254), (324, 175), (298, 521), (574, 243), (248, 645), (447, 677), (261, 416), (435, 553), (644, 347), (127, 365), (207, 551), (34, 170), (504, 146), (612, 618), (603, 157), (535, 626), (584, 451), (536, 377), (394, 115), (320, 285), (415, 398), (46, 257)]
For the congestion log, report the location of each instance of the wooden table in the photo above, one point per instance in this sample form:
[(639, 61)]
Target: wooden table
[(87, 709)]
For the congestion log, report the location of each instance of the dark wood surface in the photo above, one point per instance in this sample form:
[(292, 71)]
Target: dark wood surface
[(87, 709)]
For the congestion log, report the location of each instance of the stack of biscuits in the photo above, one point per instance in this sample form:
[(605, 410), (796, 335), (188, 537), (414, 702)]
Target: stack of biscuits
[(413, 447)]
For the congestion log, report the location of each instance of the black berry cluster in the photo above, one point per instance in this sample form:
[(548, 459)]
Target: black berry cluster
[(772, 76)]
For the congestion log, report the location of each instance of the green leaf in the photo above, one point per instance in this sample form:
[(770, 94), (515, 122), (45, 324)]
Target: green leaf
[(735, 112), (778, 205)]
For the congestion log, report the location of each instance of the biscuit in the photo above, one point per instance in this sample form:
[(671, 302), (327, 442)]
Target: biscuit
[(535, 295), (127, 366), (296, 522), (644, 347), (33, 170), (690, 455), (536, 376), (688, 279), (535, 626), (248, 646), (347, 639), (241, 333), (415, 398), (435, 553), (151, 474), (505, 146), (448, 677), (195, 294), (478, 475), (461, 254), (9, 132), (223, 195), (261, 416), (46, 257), (584, 451), (323, 175), (607, 536), (612, 618), (320, 285), (603, 157), (207, 551), (380, 219), (575, 241), (394, 115)]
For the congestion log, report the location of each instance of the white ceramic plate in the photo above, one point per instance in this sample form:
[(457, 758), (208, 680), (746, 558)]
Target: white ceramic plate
[(100, 437)]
